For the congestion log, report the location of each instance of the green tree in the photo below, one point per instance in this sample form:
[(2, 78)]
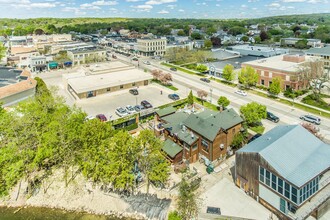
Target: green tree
[(245, 38), (248, 77), (253, 112), (196, 36), (201, 68), (257, 39), (223, 101), (2, 51), (190, 98), (228, 72), (275, 86), (151, 160), (207, 43), (181, 33), (301, 44), (187, 205), (174, 215), (238, 141), (263, 36)]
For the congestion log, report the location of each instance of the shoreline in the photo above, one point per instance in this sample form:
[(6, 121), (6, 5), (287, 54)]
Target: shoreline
[(82, 196)]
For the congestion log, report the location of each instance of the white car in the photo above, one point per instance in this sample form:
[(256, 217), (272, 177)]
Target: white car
[(130, 109), (121, 112), (147, 62), (89, 117), (240, 92)]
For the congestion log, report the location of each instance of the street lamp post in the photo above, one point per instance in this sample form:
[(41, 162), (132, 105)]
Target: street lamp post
[(211, 95)]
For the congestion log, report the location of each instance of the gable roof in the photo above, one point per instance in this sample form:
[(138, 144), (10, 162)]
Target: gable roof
[(166, 111), (295, 153), (209, 126), (171, 148)]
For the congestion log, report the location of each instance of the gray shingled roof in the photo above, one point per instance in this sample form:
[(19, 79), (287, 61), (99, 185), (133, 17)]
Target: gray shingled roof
[(209, 126), (166, 111), (296, 154), (320, 51)]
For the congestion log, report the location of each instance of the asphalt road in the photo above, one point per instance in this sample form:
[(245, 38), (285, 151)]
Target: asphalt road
[(287, 114)]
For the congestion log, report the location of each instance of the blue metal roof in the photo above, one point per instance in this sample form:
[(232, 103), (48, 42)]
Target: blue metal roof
[(295, 153)]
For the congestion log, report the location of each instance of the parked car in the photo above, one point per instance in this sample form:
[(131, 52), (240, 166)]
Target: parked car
[(254, 137), (146, 104), (134, 91), (138, 108), (272, 117), (101, 117), (240, 92), (147, 62), (213, 210), (205, 80), (311, 119), (174, 96), (135, 59), (173, 69), (121, 112), (89, 117), (130, 109)]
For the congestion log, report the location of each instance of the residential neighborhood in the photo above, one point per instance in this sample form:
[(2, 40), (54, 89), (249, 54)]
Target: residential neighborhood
[(166, 118)]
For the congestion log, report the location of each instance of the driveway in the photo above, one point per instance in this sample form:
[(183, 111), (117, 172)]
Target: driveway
[(233, 201)]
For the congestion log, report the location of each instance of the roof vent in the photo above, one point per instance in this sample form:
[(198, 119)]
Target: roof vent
[(192, 135), (269, 138)]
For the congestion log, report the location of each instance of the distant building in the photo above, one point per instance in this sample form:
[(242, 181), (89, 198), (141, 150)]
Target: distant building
[(67, 46), (287, 170), (15, 85), (87, 55), (20, 54), (42, 41), (20, 41), (292, 41), (104, 78), (323, 53), (199, 43), (152, 46), (287, 67), (258, 51)]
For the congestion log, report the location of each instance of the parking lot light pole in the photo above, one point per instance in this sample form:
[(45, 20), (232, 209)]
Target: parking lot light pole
[(211, 95)]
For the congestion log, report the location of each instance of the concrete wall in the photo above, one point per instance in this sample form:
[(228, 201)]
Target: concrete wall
[(270, 197)]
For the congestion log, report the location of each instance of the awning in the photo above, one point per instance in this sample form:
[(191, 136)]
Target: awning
[(40, 66), (53, 65)]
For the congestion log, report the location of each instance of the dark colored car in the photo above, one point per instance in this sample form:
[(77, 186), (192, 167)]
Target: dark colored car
[(205, 80), (174, 96), (272, 117), (101, 117), (173, 69), (254, 137), (146, 104), (134, 91), (213, 210)]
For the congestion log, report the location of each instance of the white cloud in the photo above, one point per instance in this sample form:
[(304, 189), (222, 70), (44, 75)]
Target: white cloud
[(181, 10), (42, 5), (15, 2), (144, 7), (243, 6), (104, 3), (274, 5), (250, 1), (171, 6), (293, 1), (159, 2), (134, 0), (163, 12)]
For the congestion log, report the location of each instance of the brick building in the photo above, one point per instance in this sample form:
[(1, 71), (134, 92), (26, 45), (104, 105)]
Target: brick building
[(287, 67)]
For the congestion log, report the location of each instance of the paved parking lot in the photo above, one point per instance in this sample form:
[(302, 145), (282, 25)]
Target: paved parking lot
[(107, 103)]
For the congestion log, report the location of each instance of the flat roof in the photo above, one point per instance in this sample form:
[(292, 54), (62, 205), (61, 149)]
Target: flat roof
[(320, 51), (113, 65), (8, 76), (83, 83), (258, 48), (276, 63)]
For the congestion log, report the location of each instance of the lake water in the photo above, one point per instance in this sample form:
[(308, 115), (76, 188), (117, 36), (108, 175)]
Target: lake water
[(32, 213)]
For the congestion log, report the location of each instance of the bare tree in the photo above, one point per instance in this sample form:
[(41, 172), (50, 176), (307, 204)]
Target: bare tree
[(202, 94), (316, 75), (312, 129)]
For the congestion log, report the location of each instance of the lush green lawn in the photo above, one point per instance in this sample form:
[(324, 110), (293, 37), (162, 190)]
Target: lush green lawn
[(180, 68), (258, 129), (224, 82), (167, 86), (320, 104), (206, 104)]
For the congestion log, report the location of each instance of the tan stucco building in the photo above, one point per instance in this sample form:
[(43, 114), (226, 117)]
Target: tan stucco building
[(152, 46)]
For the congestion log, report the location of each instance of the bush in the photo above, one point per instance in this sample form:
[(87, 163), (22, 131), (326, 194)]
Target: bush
[(174, 215)]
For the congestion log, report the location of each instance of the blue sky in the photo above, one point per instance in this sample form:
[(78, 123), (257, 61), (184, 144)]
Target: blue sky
[(159, 8)]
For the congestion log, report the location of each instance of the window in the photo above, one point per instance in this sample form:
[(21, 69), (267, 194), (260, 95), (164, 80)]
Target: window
[(267, 177), (274, 182), (287, 190), (205, 145), (262, 175), (282, 205), (280, 185), (108, 89), (294, 192), (262, 82), (194, 147), (133, 84), (121, 86)]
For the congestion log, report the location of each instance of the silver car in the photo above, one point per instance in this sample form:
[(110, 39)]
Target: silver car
[(311, 118), (130, 109), (121, 112)]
